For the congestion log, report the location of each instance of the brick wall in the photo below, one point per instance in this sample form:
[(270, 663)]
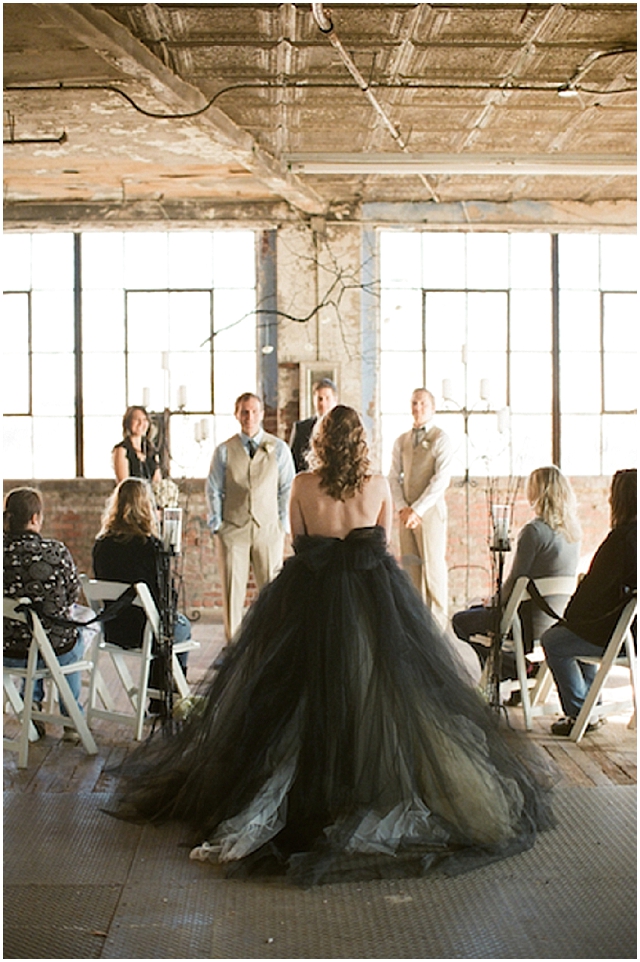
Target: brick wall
[(73, 510)]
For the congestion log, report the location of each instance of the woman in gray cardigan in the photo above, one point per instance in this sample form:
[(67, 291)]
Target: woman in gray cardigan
[(548, 546)]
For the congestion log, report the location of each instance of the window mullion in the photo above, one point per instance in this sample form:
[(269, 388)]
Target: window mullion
[(77, 349), (556, 438)]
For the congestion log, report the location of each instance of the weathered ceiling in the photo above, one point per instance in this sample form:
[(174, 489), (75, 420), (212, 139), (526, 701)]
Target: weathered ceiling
[(254, 110)]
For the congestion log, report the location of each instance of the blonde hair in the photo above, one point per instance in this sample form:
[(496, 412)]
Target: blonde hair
[(130, 511), (553, 500), (339, 453)]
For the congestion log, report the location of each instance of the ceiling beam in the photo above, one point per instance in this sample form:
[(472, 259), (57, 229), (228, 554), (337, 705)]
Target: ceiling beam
[(113, 42), (485, 164), (477, 215)]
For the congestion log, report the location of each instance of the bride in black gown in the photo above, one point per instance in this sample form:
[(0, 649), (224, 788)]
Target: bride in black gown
[(341, 738)]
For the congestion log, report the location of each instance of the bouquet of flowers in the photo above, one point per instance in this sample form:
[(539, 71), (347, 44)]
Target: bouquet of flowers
[(166, 493)]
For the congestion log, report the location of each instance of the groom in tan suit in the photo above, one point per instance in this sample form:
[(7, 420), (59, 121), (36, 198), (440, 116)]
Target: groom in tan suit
[(248, 498), (420, 474)]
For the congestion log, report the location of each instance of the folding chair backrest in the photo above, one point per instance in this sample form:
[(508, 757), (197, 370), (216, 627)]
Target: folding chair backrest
[(39, 634), (623, 627), (41, 647), (518, 594), (9, 606), (549, 587), (610, 657), (98, 592)]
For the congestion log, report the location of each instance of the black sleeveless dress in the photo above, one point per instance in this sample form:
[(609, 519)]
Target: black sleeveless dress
[(139, 468), (341, 738)]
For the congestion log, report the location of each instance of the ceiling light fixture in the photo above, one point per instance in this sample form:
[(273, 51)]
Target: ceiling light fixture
[(465, 164)]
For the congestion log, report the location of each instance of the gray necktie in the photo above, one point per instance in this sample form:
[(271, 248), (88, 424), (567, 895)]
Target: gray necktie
[(419, 435), (253, 447)]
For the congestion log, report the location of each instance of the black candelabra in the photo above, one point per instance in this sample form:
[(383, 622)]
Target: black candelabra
[(167, 611), (500, 515), (168, 550)]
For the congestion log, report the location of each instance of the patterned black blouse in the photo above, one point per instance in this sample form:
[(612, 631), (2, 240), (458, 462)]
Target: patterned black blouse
[(41, 569)]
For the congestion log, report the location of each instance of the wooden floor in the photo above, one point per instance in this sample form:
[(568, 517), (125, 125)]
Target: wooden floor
[(605, 757)]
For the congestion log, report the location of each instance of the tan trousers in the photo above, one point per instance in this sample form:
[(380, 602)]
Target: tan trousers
[(423, 552), (260, 546)]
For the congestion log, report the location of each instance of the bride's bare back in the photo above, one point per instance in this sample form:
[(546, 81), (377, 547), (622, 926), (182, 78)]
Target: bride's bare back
[(315, 512)]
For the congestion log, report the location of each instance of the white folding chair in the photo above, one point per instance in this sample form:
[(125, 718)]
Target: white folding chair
[(51, 671), (611, 658), (136, 688), (547, 587)]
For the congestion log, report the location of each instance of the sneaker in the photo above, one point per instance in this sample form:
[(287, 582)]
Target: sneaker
[(71, 735), (564, 726)]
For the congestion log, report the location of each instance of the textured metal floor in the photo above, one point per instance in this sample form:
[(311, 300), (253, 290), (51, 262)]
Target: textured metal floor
[(79, 884)]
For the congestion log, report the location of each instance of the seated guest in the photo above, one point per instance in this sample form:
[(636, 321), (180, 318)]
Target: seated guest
[(596, 604), (135, 456), (43, 570), (127, 549), (548, 546)]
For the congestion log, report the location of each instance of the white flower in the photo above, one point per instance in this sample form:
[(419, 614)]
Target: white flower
[(424, 444), (166, 493), (267, 447), (185, 706)]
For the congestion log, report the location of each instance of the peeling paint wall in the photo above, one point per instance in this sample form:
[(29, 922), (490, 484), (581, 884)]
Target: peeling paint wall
[(319, 284)]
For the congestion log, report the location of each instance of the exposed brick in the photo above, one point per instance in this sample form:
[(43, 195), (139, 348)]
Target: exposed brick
[(73, 509)]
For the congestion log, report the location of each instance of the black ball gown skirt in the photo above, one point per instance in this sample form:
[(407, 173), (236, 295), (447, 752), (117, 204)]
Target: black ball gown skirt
[(341, 738)]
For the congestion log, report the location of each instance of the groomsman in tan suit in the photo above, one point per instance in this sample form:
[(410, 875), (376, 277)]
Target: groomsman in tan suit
[(248, 498), (420, 474)]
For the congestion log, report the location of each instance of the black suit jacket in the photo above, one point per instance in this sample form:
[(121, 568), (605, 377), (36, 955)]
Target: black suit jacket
[(299, 442)]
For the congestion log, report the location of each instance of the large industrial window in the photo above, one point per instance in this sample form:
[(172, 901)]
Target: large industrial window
[(97, 322), (527, 342)]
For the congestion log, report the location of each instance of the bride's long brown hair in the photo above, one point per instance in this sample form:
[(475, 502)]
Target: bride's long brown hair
[(339, 453)]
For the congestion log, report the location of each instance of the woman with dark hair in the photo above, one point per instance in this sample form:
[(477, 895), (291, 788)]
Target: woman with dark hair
[(128, 549), (135, 456), (340, 738), (596, 604), (43, 570)]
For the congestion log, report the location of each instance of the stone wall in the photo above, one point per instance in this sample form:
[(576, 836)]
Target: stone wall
[(73, 510)]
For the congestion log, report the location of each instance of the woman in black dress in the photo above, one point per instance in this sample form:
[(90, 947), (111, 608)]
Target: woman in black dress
[(128, 549), (341, 737), (135, 456)]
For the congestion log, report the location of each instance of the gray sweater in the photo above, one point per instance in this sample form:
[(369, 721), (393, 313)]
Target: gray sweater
[(541, 552)]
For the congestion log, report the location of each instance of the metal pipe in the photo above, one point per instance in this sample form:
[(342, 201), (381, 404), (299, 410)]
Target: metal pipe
[(325, 24)]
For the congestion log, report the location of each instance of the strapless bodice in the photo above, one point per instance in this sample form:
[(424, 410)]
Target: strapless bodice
[(361, 549)]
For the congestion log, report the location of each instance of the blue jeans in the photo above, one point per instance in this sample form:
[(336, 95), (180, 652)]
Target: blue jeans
[(480, 620), (573, 677), (74, 678)]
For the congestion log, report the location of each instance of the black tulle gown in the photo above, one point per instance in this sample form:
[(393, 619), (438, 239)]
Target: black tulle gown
[(340, 738)]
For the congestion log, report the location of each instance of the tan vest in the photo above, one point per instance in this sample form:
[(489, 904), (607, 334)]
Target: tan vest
[(251, 484), (418, 464)]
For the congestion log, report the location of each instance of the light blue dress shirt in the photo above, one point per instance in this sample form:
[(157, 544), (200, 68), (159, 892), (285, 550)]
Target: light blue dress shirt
[(215, 486)]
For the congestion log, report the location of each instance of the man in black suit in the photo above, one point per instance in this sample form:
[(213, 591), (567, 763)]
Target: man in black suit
[(325, 397)]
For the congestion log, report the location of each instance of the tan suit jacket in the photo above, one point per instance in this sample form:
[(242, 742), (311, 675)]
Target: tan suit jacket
[(251, 532)]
